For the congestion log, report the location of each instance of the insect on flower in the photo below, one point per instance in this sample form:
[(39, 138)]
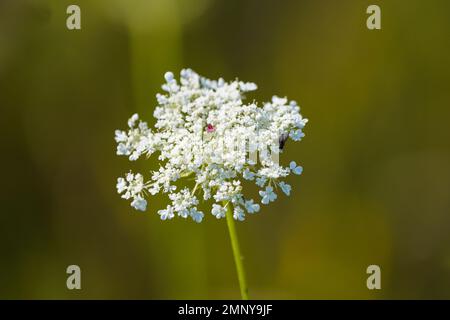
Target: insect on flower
[(282, 140)]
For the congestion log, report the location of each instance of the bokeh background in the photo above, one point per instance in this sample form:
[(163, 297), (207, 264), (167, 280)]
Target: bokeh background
[(375, 188)]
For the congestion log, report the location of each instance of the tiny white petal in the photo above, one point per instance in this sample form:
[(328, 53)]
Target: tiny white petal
[(139, 204), (168, 76)]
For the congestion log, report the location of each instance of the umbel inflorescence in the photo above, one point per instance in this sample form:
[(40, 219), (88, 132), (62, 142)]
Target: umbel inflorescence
[(205, 134)]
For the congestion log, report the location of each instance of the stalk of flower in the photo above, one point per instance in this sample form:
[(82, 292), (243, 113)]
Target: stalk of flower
[(205, 132)]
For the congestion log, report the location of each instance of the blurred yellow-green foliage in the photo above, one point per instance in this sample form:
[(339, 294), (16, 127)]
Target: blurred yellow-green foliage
[(376, 184)]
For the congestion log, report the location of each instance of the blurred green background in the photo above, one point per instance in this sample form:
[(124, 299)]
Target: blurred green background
[(376, 184)]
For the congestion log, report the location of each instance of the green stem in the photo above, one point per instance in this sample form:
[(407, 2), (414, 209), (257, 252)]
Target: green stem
[(237, 253)]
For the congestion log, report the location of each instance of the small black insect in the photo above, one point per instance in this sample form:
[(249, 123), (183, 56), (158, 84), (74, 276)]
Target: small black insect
[(282, 140)]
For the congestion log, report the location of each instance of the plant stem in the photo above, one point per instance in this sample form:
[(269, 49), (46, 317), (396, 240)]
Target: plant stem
[(237, 253)]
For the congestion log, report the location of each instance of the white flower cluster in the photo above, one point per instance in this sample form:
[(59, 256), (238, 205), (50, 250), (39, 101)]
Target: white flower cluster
[(204, 131)]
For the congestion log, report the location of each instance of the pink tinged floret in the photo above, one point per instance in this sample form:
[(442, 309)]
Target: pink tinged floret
[(210, 128)]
